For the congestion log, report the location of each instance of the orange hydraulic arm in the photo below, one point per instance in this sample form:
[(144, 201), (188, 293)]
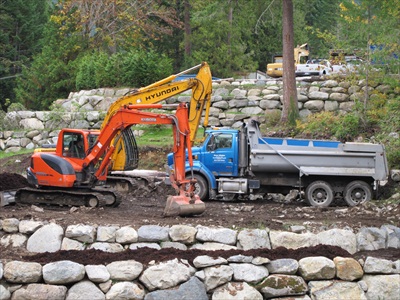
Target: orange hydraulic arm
[(186, 202)]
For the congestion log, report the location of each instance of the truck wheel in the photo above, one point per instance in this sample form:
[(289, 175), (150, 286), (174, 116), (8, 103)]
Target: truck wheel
[(319, 193), (357, 192), (201, 187)]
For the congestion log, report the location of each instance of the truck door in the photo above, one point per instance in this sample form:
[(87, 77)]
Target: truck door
[(220, 156)]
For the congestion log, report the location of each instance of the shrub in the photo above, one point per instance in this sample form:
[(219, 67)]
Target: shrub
[(141, 68), (318, 125)]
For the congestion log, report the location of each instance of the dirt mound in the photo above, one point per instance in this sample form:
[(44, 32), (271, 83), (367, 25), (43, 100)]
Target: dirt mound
[(12, 181)]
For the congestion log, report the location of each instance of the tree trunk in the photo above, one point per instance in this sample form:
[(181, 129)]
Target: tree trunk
[(188, 29), (290, 111)]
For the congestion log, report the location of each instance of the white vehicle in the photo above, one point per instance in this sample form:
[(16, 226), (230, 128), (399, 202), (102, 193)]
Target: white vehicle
[(319, 68)]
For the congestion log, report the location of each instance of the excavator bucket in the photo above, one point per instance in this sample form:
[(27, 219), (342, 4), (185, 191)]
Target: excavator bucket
[(182, 205)]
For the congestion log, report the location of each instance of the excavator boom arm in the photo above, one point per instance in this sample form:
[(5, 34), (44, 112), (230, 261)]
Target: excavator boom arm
[(201, 87)]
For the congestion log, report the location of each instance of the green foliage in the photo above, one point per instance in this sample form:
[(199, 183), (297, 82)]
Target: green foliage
[(86, 73), (318, 125), (135, 68), (21, 23), (348, 127), (344, 127), (272, 117), (141, 68), (16, 107)]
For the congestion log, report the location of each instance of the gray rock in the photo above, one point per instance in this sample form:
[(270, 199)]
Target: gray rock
[(31, 123), (248, 272), (106, 233), (85, 290), (317, 95), (107, 247), (13, 240), (393, 236), (63, 272), (126, 270), (40, 291), (382, 286), (253, 239), (183, 233), (212, 246), (82, 233), (348, 268), (252, 110), (10, 225), (340, 97), (240, 258), (135, 246), (292, 240), (331, 105), (345, 239), (97, 273), (22, 272), (153, 233), (221, 104), (314, 105), (218, 235), (278, 285), (203, 261), (259, 261), (286, 266), (46, 239), (175, 245), (192, 289), (69, 244), (236, 290), (339, 290), (166, 274), (315, 268), (125, 290), (270, 104), (330, 83), (213, 277), (371, 238), (374, 265), (5, 294)]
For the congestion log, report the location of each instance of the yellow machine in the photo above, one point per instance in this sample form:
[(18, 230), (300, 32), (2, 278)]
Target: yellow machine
[(201, 86), (301, 54)]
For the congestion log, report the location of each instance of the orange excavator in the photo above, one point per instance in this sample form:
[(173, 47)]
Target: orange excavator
[(77, 172)]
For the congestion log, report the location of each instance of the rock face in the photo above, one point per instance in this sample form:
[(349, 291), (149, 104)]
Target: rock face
[(207, 277), (46, 239), (232, 103)]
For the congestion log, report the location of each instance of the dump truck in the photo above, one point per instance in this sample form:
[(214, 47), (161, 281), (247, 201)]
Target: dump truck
[(242, 164)]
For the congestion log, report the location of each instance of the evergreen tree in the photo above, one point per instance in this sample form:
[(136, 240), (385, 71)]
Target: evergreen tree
[(22, 24)]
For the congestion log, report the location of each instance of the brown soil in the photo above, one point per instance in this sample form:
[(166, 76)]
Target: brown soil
[(138, 211)]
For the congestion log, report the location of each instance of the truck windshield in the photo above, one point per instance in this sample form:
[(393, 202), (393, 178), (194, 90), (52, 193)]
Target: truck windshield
[(219, 141)]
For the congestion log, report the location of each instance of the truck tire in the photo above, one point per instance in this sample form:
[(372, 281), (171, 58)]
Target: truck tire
[(357, 192), (201, 187), (319, 193)]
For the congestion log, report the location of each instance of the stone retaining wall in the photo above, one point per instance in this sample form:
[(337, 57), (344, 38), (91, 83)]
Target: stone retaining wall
[(237, 277), (232, 103)]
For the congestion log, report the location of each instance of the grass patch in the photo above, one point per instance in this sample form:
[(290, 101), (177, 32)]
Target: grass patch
[(10, 154), (158, 135)]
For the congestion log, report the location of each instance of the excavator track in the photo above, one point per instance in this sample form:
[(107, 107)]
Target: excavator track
[(91, 198)]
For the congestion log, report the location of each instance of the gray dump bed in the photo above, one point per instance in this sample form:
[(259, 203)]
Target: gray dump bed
[(315, 157)]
